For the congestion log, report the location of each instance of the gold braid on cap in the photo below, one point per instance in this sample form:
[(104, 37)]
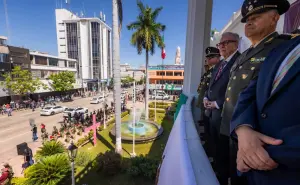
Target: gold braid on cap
[(260, 7)]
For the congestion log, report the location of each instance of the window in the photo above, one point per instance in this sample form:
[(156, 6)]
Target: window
[(3, 57), (177, 73), (53, 62), (169, 73), (62, 45), (62, 38), (159, 73), (72, 40), (72, 64), (62, 52), (61, 24), (66, 63), (40, 60), (61, 30)]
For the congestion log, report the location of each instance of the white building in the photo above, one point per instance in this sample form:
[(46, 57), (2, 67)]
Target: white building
[(43, 65), (87, 40), (127, 70)]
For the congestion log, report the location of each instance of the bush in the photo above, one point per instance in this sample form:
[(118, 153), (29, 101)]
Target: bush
[(83, 158), (151, 112), (50, 148), (18, 181), (50, 170), (110, 163), (143, 166), (82, 140)]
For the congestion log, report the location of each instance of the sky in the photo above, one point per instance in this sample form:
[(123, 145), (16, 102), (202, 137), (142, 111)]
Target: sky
[(31, 24)]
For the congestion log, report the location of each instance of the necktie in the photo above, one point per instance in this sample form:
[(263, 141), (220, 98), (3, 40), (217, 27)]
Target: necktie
[(220, 70), (293, 58)]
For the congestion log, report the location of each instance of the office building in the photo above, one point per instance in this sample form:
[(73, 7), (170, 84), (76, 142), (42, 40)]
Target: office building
[(127, 70), (87, 40)]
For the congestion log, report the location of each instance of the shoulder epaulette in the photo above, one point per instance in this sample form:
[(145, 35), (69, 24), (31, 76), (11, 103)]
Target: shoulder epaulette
[(284, 36)]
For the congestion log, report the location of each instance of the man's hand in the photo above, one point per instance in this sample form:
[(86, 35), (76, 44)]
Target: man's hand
[(205, 103), (212, 105), (251, 152)]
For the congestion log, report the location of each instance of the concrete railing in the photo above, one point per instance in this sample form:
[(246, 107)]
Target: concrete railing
[(184, 159)]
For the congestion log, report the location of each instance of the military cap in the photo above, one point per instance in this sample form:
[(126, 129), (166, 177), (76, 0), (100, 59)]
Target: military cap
[(211, 51), (251, 7)]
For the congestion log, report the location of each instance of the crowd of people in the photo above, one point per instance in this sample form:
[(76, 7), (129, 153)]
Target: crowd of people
[(249, 102)]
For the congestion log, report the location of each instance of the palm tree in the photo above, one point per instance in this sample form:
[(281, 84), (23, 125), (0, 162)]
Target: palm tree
[(117, 19), (50, 148), (51, 170), (147, 34)]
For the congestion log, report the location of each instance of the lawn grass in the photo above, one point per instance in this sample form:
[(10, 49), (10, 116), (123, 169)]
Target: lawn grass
[(152, 149)]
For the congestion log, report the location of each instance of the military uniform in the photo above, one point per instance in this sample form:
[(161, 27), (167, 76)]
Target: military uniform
[(203, 86), (245, 69)]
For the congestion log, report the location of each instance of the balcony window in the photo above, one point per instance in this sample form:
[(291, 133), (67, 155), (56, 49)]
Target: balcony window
[(160, 73), (3, 57), (72, 64), (177, 73), (53, 62), (169, 73), (41, 60)]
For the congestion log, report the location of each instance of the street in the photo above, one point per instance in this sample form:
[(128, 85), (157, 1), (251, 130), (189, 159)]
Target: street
[(16, 129)]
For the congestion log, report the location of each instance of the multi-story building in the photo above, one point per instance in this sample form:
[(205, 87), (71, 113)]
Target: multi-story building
[(166, 77), (43, 65), (127, 70), (88, 40)]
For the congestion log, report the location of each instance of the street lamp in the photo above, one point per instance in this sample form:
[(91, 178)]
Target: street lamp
[(72, 152)]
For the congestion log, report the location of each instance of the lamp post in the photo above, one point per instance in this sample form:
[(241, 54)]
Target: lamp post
[(104, 114), (72, 152), (133, 121)]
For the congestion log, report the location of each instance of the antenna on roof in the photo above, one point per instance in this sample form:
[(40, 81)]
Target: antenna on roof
[(101, 15)]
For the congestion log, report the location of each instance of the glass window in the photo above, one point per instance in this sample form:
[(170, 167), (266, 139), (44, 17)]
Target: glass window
[(40, 60), (177, 73), (72, 40), (3, 57), (66, 63), (53, 62), (72, 64), (169, 73)]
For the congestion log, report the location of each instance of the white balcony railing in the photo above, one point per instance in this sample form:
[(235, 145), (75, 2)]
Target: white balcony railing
[(184, 159)]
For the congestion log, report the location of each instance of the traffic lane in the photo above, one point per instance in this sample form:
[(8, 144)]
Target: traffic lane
[(17, 126)]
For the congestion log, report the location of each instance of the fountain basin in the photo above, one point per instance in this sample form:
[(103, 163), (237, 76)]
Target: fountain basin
[(145, 131)]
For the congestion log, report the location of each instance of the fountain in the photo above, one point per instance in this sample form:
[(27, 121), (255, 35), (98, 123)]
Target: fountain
[(144, 130)]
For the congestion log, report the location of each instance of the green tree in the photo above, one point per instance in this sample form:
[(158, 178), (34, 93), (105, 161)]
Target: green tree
[(62, 81), (148, 33), (111, 83), (20, 81), (51, 170), (49, 148)]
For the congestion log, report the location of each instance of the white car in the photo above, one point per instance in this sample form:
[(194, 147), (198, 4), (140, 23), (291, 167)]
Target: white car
[(96, 100), (160, 96), (51, 110), (73, 110)]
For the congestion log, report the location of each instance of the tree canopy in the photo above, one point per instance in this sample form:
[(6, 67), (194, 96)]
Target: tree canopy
[(127, 80), (148, 31), (21, 82), (62, 81)]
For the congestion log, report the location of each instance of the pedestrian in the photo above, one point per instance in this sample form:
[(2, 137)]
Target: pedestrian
[(34, 132), (6, 174), (260, 18)]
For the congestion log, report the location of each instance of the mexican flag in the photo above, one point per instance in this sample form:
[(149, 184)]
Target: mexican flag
[(163, 51)]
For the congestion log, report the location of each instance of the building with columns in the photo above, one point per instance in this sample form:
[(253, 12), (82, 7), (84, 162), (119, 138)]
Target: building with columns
[(88, 40)]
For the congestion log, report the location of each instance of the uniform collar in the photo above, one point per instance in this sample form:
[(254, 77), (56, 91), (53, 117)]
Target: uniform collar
[(253, 46)]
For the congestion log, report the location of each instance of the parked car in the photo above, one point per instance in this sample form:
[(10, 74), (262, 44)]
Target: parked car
[(96, 100), (51, 110), (73, 110), (160, 96)]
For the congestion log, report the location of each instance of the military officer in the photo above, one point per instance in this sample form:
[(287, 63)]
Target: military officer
[(260, 18), (212, 58)]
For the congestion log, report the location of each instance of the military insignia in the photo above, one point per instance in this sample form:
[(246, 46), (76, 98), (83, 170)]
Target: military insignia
[(250, 8), (244, 76), (252, 68), (294, 36), (269, 40), (257, 60)]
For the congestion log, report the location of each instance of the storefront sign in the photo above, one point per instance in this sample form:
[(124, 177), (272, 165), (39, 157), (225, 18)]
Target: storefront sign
[(169, 87)]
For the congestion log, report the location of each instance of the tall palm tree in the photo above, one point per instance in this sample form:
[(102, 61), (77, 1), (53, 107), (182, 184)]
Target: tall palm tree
[(117, 19), (148, 33)]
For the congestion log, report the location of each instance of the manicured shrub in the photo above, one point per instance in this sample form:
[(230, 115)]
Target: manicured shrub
[(83, 158), (143, 166), (110, 163)]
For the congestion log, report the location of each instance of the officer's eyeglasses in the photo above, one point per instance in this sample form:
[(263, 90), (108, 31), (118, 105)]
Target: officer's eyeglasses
[(225, 43)]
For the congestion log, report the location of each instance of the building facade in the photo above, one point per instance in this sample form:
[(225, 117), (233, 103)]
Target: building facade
[(166, 77), (43, 65), (127, 70), (87, 40)]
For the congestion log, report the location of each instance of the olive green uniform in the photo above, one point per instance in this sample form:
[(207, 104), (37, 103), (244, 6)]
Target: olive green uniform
[(245, 69), (203, 86)]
